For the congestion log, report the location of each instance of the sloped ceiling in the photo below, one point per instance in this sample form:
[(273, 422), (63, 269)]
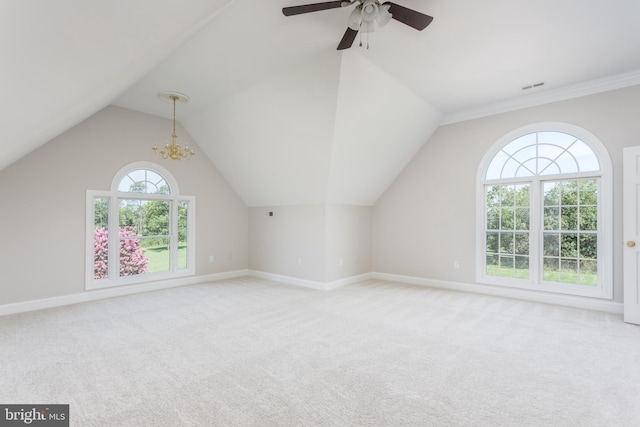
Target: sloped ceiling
[(380, 125), (284, 116), (64, 60)]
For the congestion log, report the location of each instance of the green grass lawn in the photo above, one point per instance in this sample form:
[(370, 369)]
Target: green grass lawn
[(159, 258), (586, 279)]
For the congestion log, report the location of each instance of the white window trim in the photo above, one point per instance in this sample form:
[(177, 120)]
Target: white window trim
[(604, 289), (113, 194)]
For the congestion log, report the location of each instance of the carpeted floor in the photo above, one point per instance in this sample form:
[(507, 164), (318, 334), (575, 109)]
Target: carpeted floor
[(249, 352)]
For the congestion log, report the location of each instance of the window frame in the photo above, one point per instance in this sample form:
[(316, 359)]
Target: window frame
[(114, 196), (604, 288)]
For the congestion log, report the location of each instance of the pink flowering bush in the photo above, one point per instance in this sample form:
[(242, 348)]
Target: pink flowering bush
[(132, 259), (100, 253)]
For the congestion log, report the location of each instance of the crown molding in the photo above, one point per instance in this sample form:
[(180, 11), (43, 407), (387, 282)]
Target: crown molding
[(590, 87)]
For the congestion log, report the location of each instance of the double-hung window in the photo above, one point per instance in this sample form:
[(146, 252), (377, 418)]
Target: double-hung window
[(544, 212), (141, 230)]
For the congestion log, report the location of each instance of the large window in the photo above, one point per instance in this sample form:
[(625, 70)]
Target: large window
[(544, 212), (140, 230)]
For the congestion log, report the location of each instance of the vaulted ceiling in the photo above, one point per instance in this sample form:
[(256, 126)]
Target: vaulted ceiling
[(281, 113)]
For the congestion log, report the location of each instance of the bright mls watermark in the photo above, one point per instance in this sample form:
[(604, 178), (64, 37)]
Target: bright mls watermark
[(34, 415)]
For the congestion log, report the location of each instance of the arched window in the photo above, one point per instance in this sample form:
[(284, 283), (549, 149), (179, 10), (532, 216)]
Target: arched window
[(153, 228), (544, 212)]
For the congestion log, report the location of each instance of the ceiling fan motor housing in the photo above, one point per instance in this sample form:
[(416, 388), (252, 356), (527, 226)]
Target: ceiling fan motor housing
[(368, 15)]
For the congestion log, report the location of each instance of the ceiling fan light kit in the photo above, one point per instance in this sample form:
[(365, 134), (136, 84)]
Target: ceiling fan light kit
[(367, 16)]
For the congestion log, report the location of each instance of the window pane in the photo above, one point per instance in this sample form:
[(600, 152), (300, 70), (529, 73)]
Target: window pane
[(493, 196), (528, 168), (551, 168), (158, 253), (522, 267), (568, 210), (569, 218), (147, 217), (560, 139), (101, 213), (493, 219), (506, 219), (551, 193), (569, 271), (588, 246), (569, 195), (100, 238), (567, 163), (492, 242), (144, 181), (508, 195), (588, 218), (495, 167), (183, 227), (154, 217), (549, 151), (551, 243), (588, 189), (551, 270), (148, 221), (522, 195), (520, 143), (125, 184), (551, 218), (509, 168), (522, 219), (568, 245), (588, 273), (585, 157), (506, 266), (132, 255), (506, 243), (542, 153), (521, 244), (526, 153), (492, 266)]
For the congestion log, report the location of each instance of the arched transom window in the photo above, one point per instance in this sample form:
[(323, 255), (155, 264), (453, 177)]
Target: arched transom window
[(545, 207), (140, 230)]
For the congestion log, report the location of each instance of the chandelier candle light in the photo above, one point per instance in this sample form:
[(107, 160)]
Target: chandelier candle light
[(173, 151)]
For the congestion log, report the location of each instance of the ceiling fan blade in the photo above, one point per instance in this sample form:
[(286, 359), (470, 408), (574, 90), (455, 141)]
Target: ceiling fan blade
[(410, 17), (347, 39), (314, 7)]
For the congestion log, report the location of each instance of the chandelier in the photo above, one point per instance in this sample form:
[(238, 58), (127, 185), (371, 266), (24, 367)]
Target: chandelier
[(173, 151)]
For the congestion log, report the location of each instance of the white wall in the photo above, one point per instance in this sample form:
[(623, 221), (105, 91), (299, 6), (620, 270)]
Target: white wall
[(426, 219), (422, 224), (348, 241), (42, 217), (307, 241), (289, 243)]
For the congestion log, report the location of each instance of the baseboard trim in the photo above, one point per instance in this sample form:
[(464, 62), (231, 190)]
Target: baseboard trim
[(319, 286), (521, 294), (97, 294)]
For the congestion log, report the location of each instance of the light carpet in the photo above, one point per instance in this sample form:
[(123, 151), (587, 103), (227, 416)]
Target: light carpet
[(250, 352)]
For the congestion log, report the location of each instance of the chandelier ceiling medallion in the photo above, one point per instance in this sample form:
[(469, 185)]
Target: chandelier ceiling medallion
[(173, 151)]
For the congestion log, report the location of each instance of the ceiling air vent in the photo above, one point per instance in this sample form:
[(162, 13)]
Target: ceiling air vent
[(533, 85)]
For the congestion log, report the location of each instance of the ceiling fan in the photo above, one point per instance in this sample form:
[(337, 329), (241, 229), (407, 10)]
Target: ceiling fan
[(366, 17)]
